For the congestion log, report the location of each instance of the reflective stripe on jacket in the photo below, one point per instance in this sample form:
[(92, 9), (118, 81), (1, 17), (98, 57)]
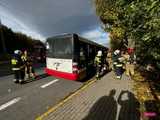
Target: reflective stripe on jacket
[(24, 58), (115, 63), (119, 65), (15, 68), (16, 62), (98, 60)]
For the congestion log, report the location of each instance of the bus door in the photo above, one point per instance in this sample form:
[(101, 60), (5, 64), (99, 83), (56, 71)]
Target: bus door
[(91, 57), (80, 57)]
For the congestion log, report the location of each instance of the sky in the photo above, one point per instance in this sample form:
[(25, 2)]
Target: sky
[(41, 19)]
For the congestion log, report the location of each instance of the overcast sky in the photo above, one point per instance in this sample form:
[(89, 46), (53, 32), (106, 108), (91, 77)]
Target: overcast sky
[(45, 18)]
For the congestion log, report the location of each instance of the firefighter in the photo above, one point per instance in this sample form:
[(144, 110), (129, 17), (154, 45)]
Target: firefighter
[(131, 65), (109, 60), (115, 59), (29, 71), (17, 65), (24, 58), (104, 65), (118, 64), (127, 63), (98, 64)]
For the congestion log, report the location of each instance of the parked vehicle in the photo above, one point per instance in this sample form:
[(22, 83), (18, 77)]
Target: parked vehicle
[(70, 56)]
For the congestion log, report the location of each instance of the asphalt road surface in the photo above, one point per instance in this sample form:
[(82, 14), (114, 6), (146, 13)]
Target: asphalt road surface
[(29, 100)]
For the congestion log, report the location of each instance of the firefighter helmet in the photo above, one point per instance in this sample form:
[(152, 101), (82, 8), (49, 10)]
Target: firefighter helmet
[(99, 53)]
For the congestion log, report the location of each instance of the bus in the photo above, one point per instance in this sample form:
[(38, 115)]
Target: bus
[(71, 56)]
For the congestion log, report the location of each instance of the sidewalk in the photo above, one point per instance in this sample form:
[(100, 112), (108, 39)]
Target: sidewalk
[(102, 100)]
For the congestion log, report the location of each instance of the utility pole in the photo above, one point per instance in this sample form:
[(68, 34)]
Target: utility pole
[(2, 38)]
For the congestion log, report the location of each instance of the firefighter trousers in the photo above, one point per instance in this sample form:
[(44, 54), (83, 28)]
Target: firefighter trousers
[(129, 69), (118, 72), (98, 71), (18, 75)]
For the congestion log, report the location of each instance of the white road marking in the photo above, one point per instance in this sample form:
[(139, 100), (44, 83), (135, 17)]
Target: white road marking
[(45, 85), (2, 107)]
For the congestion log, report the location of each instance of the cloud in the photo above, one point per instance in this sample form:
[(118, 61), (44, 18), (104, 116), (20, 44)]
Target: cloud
[(18, 26), (97, 35), (46, 18), (50, 17)]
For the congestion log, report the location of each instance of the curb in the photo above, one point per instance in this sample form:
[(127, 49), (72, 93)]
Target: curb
[(67, 98)]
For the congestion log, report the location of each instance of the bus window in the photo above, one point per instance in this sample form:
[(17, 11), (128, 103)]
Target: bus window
[(60, 48), (49, 48), (83, 55), (91, 53)]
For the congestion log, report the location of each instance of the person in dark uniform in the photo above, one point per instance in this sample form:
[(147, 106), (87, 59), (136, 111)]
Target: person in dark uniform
[(118, 63), (105, 66), (98, 64), (109, 60), (17, 65), (115, 59), (28, 70)]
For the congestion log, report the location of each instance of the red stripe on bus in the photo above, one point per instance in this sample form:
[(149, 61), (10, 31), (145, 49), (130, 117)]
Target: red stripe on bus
[(65, 75)]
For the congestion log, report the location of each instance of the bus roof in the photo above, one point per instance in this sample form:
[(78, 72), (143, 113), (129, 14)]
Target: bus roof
[(80, 38), (61, 36)]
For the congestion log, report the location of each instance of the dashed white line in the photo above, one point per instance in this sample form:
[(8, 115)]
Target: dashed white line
[(2, 107), (45, 85)]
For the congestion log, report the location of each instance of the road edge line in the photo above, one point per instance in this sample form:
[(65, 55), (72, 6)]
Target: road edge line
[(63, 101)]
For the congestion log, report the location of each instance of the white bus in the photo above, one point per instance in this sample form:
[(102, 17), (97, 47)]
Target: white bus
[(70, 56)]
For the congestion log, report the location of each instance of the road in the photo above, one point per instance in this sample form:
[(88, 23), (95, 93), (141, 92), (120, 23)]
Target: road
[(29, 100)]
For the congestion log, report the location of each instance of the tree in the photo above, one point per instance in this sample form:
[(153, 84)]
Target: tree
[(131, 21), (17, 40)]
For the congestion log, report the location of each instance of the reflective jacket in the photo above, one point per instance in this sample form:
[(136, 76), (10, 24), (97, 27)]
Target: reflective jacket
[(98, 60), (26, 60), (16, 62), (117, 60), (120, 61)]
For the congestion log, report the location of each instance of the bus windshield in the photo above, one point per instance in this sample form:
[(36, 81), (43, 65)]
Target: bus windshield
[(60, 48)]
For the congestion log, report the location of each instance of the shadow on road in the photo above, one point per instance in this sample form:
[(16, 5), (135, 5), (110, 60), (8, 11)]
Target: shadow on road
[(39, 77), (91, 74), (129, 106), (88, 77), (104, 109)]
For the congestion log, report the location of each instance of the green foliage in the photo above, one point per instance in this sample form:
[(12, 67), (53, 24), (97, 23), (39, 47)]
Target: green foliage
[(137, 20)]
